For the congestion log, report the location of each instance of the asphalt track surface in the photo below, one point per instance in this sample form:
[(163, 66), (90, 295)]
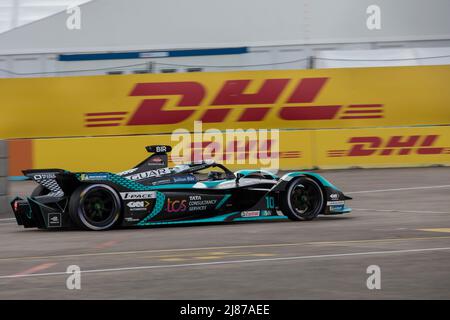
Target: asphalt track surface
[(400, 222)]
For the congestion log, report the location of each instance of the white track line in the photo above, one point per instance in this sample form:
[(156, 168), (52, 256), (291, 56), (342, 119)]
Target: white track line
[(227, 262), (399, 189), (7, 219), (269, 245)]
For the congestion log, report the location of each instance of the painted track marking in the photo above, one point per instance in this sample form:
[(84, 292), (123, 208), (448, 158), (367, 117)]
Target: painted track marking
[(399, 189), (399, 211), (446, 230), (34, 269), (106, 244), (324, 256), (221, 248)]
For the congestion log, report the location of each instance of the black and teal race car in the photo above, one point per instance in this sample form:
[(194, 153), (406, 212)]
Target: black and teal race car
[(151, 193)]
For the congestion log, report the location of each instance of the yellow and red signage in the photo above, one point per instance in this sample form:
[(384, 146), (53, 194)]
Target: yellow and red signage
[(382, 147), (297, 149), (288, 149), (284, 99)]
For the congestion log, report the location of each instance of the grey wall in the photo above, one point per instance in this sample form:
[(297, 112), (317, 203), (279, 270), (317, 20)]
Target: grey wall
[(4, 208), (108, 25)]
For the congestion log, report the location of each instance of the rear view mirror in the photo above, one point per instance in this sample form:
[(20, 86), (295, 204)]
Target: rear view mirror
[(238, 177)]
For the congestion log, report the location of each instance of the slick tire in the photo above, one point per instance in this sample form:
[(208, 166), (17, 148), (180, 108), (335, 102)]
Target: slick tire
[(303, 199), (95, 207)]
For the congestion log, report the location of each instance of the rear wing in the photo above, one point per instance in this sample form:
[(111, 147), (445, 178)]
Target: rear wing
[(46, 178), (40, 174)]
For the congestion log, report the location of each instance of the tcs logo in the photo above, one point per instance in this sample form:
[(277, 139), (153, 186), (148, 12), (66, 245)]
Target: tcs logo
[(176, 205), (195, 103), (394, 145)]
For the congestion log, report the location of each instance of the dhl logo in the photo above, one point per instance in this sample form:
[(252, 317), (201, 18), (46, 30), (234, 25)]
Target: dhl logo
[(394, 145), (193, 104), (235, 150)]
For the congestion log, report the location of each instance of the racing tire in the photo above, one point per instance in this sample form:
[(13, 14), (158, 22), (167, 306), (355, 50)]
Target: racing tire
[(40, 190), (303, 199), (95, 207)]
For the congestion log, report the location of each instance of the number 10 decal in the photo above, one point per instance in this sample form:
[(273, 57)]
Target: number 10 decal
[(270, 202)]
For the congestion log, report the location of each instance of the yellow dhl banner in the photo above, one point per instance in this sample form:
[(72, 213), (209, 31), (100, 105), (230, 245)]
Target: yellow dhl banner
[(116, 154), (382, 147), (287, 150), (285, 99)]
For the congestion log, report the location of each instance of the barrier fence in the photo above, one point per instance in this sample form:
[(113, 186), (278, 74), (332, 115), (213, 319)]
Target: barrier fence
[(298, 149)]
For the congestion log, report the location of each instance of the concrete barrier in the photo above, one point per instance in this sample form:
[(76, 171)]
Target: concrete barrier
[(4, 205), (298, 150)]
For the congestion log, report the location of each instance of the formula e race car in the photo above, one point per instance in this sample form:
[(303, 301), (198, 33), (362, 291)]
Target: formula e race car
[(151, 193)]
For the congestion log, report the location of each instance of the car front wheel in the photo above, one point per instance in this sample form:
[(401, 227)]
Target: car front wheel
[(303, 200)]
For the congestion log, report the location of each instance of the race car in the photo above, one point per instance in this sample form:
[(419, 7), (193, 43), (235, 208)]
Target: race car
[(151, 193)]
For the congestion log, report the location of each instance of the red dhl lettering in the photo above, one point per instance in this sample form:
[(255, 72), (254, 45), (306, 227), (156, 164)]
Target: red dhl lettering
[(394, 145), (193, 103)]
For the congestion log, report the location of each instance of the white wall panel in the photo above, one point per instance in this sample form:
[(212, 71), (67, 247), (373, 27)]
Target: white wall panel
[(109, 25), (381, 57)]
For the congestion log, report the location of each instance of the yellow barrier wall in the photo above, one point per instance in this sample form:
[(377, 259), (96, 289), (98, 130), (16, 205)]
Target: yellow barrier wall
[(382, 147), (299, 149), (116, 154), (161, 103)]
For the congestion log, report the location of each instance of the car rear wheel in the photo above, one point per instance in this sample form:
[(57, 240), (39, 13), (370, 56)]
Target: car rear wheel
[(303, 200), (95, 207)]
